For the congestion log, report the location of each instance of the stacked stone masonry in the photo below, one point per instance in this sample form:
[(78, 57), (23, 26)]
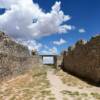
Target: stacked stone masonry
[(15, 58), (84, 59)]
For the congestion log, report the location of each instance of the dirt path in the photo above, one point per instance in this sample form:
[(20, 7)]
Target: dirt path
[(57, 86), (45, 84)]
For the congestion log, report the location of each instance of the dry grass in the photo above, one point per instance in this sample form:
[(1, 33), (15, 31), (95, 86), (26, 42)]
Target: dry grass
[(71, 80), (83, 91), (31, 86), (81, 96), (34, 85)]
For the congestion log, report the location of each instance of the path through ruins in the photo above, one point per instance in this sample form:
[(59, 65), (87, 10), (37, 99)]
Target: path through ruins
[(56, 85), (57, 88), (44, 83)]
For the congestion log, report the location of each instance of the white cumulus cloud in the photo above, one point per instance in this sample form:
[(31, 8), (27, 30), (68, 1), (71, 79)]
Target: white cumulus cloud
[(50, 51), (60, 42), (25, 19), (32, 44), (53, 50), (82, 30)]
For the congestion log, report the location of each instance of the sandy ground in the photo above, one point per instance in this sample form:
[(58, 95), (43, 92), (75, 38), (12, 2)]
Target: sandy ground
[(47, 84), (57, 86)]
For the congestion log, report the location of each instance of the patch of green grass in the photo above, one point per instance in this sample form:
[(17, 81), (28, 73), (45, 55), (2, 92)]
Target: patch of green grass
[(84, 94), (45, 92), (76, 93), (96, 95), (51, 98)]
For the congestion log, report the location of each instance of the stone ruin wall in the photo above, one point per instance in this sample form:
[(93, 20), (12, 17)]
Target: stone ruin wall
[(15, 58), (11, 66), (83, 59)]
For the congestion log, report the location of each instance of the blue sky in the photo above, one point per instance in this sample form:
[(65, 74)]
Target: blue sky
[(85, 14), (85, 17)]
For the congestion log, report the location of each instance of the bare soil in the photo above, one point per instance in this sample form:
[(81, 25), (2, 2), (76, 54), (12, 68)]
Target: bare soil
[(47, 83)]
